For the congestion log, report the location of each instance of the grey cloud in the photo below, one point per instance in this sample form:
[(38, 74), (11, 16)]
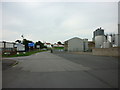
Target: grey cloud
[(59, 21)]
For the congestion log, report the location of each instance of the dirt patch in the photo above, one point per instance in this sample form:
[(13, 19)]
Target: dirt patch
[(8, 63)]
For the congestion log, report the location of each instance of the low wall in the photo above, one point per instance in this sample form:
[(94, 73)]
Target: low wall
[(85, 53), (106, 51)]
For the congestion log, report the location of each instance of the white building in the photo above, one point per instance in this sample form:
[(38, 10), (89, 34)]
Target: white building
[(115, 40), (107, 41), (48, 45), (76, 44), (58, 45), (20, 47)]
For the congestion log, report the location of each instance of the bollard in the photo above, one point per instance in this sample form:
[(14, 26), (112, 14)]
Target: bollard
[(51, 51)]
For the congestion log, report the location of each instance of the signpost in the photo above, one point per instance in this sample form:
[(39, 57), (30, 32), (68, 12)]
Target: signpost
[(31, 45)]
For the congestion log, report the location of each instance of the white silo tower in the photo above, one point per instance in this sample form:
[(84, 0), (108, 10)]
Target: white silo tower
[(99, 41)]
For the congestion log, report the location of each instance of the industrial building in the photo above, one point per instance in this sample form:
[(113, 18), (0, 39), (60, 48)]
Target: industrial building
[(76, 45), (107, 41), (98, 32), (115, 40), (91, 45)]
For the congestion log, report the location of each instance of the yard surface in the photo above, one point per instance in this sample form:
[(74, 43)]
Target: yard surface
[(62, 70)]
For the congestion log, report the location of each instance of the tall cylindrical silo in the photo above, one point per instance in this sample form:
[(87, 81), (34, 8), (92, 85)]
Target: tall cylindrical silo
[(98, 32), (99, 41)]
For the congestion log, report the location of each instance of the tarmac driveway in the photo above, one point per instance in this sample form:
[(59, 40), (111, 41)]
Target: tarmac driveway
[(47, 70)]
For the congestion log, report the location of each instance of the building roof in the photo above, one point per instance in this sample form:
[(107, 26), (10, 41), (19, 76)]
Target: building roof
[(7, 42), (48, 43), (73, 38)]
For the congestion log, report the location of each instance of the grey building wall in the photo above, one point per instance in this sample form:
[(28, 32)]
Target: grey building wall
[(119, 35), (85, 41), (75, 44)]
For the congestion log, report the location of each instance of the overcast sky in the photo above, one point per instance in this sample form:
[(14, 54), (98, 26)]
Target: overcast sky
[(57, 21)]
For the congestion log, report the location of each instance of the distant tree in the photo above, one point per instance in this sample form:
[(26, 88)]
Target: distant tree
[(40, 43), (25, 42), (59, 42), (19, 41)]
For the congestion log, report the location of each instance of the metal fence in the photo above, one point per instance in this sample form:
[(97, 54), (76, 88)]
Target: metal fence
[(7, 48)]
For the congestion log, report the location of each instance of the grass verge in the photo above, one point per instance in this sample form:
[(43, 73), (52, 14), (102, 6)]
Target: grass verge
[(58, 47), (24, 54)]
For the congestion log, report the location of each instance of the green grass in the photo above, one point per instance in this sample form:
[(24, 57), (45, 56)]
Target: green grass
[(22, 54), (58, 47)]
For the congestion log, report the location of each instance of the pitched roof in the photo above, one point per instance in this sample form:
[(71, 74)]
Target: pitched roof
[(74, 38)]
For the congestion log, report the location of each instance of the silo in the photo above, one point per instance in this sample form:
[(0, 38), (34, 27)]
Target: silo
[(109, 38), (106, 44), (99, 41), (98, 32)]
